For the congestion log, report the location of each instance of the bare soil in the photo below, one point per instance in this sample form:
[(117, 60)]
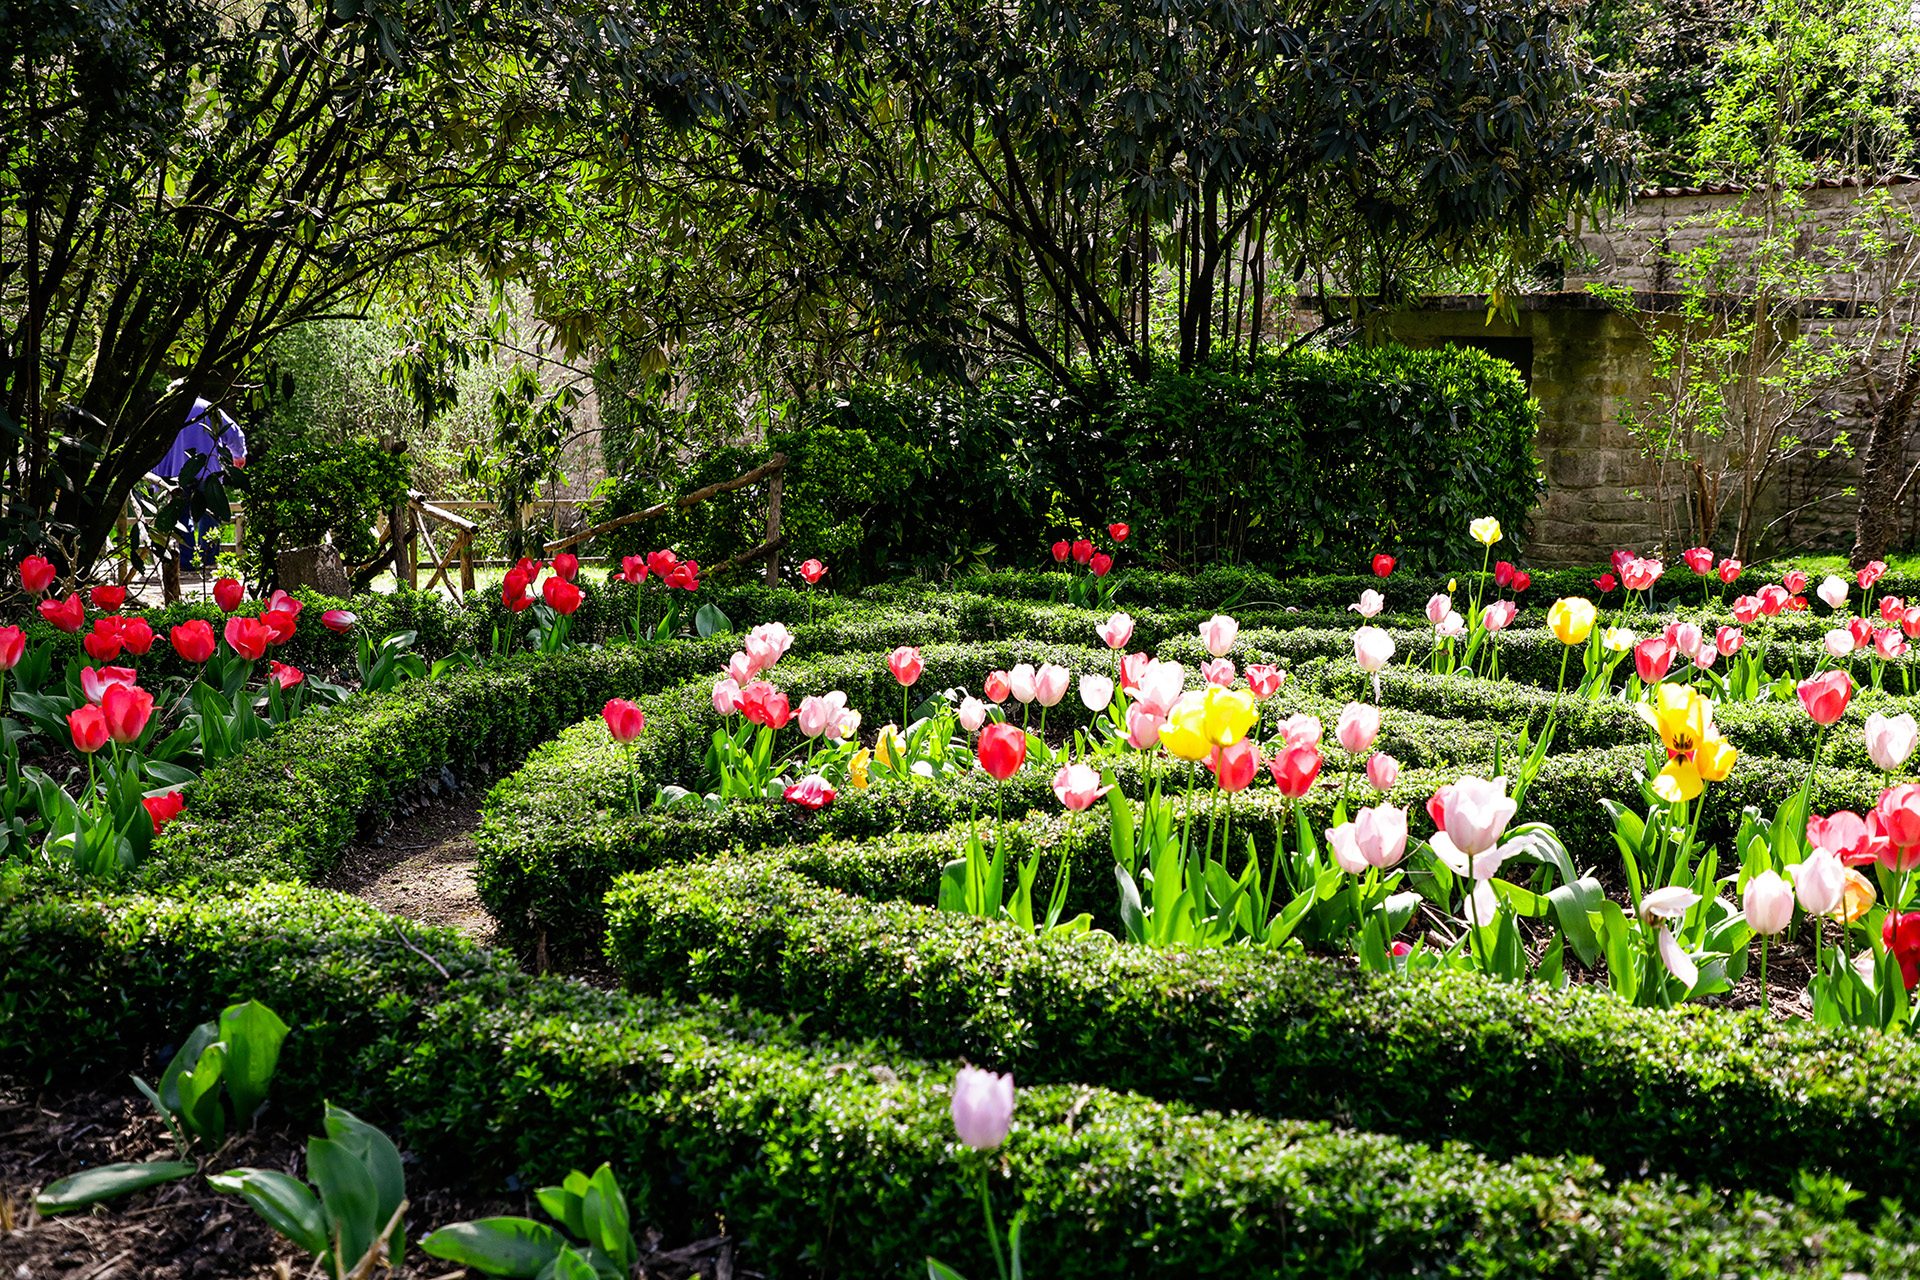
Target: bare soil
[(422, 867), (186, 1231)]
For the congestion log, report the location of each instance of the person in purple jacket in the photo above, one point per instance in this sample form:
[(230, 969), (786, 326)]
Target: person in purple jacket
[(198, 460)]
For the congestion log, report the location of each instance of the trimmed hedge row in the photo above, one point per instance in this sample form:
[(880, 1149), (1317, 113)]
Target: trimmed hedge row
[(836, 1159), (1509, 1070)]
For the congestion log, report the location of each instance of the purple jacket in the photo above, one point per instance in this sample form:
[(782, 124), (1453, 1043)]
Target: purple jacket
[(196, 438)]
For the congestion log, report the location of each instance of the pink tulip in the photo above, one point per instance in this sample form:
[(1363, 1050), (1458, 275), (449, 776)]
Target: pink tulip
[(1371, 603), (1233, 767), (1116, 631), (625, 721), (1768, 904), (1451, 627), (1218, 634), (1143, 727), (1728, 570), (1020, 682), (1301, 730), (982, 1108), (1219, 671), (95, 681), (1498, 616), (1382, 771), (1132, 668), (1889, 644), (726, 695), (741, 669), (1728, 641), (1746, 609), (1160, 686), (1359, 725), (1050, 684), (973, 713), (1295, 769), (1372, 648), (822, 713), (1844, 834), (1825, 696), (767, 643), (1471, 814), (1438, 608), (1685, 637), (1892, 608), (1699, 559), (812, 792), (1895, 824), (1264, 679), (1376, 838), (1839, 642), (1871, 573), (1652, 659), (906, 664), (1077, 787), (1640, 575), (996, 686)]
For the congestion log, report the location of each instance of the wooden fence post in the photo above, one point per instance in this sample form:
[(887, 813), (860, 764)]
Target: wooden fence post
[(773, 526)]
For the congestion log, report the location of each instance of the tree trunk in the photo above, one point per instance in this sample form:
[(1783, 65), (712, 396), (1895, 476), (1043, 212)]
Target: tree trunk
[(1884, 468)]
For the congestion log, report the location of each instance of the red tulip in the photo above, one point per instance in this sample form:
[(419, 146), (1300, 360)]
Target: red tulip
[(633, 569), (36, 574), (1699, 559), (1652, 659), (108, 597), (1826, 695), (13, 647), (1118, 532), (1101, 564), (997, 686), (685, 576), (1728, 570), (1901, 934), (248, 637), (193, 640), (280, 624), (811, 571), (1872, 573), (811, 792), (69, 615), (1383, 565), (1233, 767), (338, 620), (1264, 679), (281, 602), (624, 720), (127, 709), (1862, 632), (1605, 582), (103, 643), (1794, 580), (285, 676), (137, 634), (228, 593), (1521, 580), (1082, 550), (163, 809), (89, 728), (764, 705), (513, 590), (1502, 573), (1895, 827), (660, 563), (1001, 750), (561, 595), (1061, 550), (906, 664), (1294, 770), (567, 565)]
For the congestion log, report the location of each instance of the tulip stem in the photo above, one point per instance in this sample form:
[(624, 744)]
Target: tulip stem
[(1765, 941), (993, 1230), (1273, 878)]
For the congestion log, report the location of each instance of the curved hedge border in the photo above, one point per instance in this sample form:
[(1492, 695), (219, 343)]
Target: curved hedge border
[(839, 1159)]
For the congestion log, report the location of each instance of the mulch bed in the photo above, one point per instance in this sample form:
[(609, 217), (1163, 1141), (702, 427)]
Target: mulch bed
[(185, 1231)]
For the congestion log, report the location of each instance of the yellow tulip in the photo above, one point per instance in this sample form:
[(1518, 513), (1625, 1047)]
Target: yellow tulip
[(1856, 896), (888, 749), (1571, 620), (1184, 735), (1715, 758), (1678, 782), (857, 769), (1227, 714), (1617, 640), (1485, 531)]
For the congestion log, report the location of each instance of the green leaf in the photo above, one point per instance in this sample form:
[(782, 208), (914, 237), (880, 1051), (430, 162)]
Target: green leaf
[(107, 1182), (569, 1265), (708, 620), (200, 1109), (941, 1271), (348, 1198), (377, 1153), (608, 1226), (185, 1059), (287, 1204), (518, 1247), (253, 1034)]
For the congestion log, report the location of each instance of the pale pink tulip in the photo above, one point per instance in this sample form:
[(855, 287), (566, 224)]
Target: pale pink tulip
[(1820, 882), (1301, 730), (1371, 603), (1891, 739), (1438, 607), (1020, 682), (1451, 627), (1116, 632), (1498, 616), (1372, 648), (726, 695), (1160, 686), (1077, 787), (982, 1108), (1839, 642), (821, 713), (1382, 771), (1675, 958), (1219, 671), (1833, 590), (1768, 904), (741, 669), (1472, 815), (1096, 693), (1376, 838), (1218, 634), (1050, 684), (973, 713), (1670, 903), (1359, 725), (1889, 644), (1685, 637), (1143, 727)]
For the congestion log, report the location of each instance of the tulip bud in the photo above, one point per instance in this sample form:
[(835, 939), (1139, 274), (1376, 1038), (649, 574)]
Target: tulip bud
[(1382, 771), (982, 1108), (1768, 903)]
